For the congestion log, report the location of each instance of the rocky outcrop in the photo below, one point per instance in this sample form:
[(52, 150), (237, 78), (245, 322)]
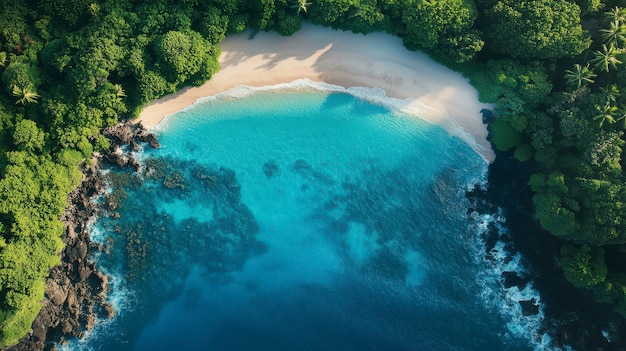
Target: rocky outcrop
[(126, 137), (76, 291)]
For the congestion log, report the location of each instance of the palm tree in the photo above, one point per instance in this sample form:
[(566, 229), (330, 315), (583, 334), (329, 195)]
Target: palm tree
[(615, 35), (25, 95), (610, 92), (301, 5), (580, 75), (3, 58), (605, 114), (606, 58), (621, 119), (570, 96), (119, 91), (616, 15)]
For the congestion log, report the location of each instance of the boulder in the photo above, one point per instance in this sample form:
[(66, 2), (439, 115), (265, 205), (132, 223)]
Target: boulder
[(55, 293), (529, 307)]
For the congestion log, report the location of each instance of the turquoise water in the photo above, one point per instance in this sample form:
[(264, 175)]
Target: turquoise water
[(299, 221)]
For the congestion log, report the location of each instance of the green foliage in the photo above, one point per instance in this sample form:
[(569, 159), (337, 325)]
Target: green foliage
[(153, 86), (25, 95), (615, 34), (547, 29), (601, 219), (44, 27), (359, 16), (606, 292), (92, 63), (442, 27), (33, 193), (301, 6), (27, 136), (20, 75), (182, 55), (580, 137), (540, 130), (606, 59), (604, 154), (505, 136), (213, 25), (583, 265), (238, 23), (590, 6), (555, 209), (580, 76), (56, 55), (263, 11), (615, 15), (289, 25), (553, 215), (13, 23), (514, 83), (537, 182), (331, 12), (66, 12), (523, 152), (618, 284), (15, 322)]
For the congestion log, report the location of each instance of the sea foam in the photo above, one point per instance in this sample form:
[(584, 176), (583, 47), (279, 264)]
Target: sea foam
[(498, 298), (505, 300), (377, 96)]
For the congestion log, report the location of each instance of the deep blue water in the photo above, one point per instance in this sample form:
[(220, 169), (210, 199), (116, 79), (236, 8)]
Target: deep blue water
[(300, 221)]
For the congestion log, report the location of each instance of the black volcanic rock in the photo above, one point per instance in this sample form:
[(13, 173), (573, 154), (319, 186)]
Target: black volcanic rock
[(571, 317), (511, 279), (150, 139), (529, 307)]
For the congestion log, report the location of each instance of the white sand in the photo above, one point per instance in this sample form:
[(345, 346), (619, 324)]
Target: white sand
[(349, 60)]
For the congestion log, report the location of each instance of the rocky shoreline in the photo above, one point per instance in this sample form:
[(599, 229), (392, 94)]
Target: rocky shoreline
[(76, 291), (571, 317), (75, 296)]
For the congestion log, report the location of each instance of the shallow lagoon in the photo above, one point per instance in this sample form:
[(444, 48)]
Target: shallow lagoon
[(301, 221)]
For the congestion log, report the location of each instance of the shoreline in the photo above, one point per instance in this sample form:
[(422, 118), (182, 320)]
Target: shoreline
[(573, 320), (76, 297), (75, 290), (346, 60)]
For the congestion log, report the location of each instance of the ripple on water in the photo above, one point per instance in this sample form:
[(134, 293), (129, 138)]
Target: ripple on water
[(301, 219)]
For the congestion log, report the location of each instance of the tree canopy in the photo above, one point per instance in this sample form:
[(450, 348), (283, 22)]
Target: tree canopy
[(574, 135), (547, 29), (72, 67)]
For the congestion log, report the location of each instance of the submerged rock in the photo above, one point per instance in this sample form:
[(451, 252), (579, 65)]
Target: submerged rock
[(270, 169)]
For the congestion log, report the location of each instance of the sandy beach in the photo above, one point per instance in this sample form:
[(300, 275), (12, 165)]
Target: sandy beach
[(428, 89)]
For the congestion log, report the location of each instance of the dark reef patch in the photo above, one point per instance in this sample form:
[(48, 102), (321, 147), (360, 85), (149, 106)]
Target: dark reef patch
[(271, 169), (206, 227)]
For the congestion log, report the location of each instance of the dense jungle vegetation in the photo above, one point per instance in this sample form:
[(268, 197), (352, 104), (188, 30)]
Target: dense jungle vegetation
[(554, 68)]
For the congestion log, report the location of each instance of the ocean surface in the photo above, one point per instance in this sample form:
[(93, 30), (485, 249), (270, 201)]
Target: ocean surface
[(303, 220)]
